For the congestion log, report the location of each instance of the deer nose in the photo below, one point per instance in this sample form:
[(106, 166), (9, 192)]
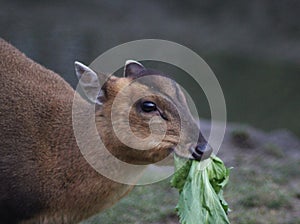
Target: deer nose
[(201, 151)]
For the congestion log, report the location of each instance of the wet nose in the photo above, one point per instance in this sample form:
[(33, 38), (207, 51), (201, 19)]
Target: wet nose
[(201, 151)]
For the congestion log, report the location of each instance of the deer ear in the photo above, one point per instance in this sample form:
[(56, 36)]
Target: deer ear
[(89, 82), (133, 68)]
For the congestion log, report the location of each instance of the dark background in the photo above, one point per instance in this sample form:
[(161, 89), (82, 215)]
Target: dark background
[(252, 46)]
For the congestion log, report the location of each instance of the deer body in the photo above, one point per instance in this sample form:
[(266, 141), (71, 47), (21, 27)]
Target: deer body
[(43, 176), (40, 160)]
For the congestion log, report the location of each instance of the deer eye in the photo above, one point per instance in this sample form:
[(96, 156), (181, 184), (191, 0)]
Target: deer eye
[(148, 106)]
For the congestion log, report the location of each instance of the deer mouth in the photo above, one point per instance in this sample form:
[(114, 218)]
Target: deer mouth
[(201, 152)]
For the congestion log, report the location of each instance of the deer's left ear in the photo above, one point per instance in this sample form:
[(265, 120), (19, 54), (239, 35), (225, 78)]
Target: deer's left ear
[(133, 68)]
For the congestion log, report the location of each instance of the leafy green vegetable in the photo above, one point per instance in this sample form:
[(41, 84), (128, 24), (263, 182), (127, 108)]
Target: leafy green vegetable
[(200, 186)]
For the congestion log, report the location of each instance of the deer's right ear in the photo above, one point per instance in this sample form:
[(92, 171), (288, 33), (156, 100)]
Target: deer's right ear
[(133, 68), (89, 82)]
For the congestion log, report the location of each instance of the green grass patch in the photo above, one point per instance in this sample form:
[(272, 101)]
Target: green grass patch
[(274, 150), (145, 204), (257, 193)]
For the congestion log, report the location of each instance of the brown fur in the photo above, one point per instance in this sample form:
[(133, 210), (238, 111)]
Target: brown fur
[(42, 169), (43, 176)]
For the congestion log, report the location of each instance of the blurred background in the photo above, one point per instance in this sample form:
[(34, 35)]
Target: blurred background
[(253, 47)]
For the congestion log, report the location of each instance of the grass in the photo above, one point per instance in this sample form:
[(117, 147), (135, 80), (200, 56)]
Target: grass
[(274, 150), (256, 197), (260, 192), (145, 204), (263, 191)]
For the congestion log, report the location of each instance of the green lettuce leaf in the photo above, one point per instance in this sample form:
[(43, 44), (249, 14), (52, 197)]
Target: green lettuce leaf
[(200, 186)]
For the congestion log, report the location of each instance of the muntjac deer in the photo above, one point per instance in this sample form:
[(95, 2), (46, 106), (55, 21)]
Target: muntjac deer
[(44, 178)]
